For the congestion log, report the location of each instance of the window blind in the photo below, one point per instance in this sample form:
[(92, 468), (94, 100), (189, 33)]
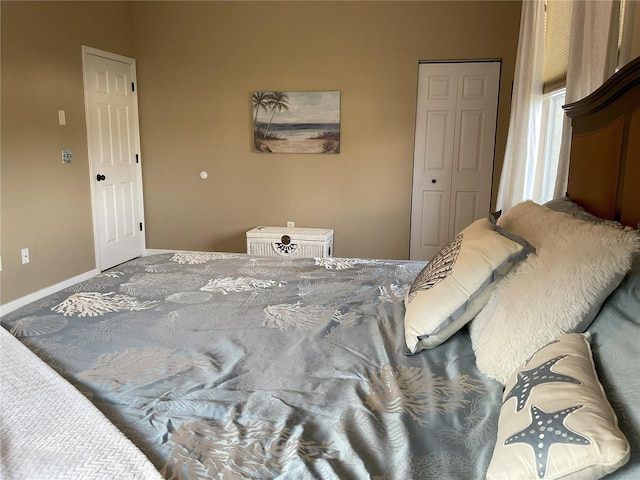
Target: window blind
[(558, 16)]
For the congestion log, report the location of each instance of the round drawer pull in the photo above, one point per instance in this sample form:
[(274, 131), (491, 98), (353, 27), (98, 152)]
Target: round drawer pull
[(286, 240)]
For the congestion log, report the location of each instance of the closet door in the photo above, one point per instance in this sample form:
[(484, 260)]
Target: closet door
[(454, 149)]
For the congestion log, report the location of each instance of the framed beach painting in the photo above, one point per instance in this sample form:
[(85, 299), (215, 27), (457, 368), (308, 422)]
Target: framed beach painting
[(296, 122)]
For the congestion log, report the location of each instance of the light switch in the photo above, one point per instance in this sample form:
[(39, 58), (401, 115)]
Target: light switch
[(62, 117), (66, 156)]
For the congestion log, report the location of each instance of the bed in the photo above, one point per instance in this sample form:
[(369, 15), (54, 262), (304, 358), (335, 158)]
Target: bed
[(226, 365)]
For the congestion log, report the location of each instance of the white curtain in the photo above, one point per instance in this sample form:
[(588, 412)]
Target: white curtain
[(521, 154), (593, 51)]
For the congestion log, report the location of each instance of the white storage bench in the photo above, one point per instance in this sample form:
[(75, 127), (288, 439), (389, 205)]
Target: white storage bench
[(290, 241)]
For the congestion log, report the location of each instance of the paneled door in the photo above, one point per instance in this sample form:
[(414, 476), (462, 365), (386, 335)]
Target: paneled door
[(456, 116), (114, 159)]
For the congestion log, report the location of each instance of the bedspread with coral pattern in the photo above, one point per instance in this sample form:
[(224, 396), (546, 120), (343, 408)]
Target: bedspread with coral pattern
[(232, 366)]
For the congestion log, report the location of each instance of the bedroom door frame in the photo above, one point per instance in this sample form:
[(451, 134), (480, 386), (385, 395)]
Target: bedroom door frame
[(454, 151), (126, 239)]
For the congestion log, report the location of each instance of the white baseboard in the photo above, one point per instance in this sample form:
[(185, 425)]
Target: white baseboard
[(32, 297), (155, 251)]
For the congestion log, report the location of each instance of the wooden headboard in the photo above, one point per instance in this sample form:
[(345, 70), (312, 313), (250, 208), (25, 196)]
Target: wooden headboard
[(604, 169)]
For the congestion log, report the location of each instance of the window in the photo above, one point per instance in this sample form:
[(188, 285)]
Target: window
[(558, 17), (551, 31), (549, 147)]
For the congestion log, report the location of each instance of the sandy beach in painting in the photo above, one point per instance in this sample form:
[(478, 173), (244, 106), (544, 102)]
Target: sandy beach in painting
[(297, 138), (294, 145)]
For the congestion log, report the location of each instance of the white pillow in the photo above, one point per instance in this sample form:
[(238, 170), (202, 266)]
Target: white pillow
[(555, 421), (456, 283), (557, 290)]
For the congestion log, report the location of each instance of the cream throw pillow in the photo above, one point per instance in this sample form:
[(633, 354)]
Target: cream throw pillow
[(557, 290), (456, 283), (555, 421)]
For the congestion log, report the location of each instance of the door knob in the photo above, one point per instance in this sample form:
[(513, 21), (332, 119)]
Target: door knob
[(433, 180), (100, 177)]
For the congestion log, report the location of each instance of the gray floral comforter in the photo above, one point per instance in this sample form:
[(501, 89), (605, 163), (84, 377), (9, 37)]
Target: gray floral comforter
[(232, 366)]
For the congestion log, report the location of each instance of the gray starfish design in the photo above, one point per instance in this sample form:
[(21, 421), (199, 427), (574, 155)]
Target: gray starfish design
[(544, 430), (528, 379)]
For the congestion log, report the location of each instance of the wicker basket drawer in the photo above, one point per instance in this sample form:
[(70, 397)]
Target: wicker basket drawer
[(290, 241)]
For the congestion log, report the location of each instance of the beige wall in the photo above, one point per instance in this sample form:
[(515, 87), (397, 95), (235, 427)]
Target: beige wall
[(46, 205), (197, 66)]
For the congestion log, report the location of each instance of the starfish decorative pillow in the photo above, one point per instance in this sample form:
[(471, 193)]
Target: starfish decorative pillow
[(555, 421)]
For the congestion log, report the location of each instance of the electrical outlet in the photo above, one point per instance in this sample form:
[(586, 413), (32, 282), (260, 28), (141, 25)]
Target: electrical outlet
[(25, 255), (291, 224)]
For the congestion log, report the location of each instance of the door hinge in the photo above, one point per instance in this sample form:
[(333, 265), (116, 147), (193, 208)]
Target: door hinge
[(133, 86), (140, 226), (137, 158)]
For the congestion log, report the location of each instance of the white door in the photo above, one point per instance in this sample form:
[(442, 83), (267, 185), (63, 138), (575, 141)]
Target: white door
[(454, 148), (116, 182)]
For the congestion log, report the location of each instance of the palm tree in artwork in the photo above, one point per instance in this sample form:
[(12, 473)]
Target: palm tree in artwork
[(277, 102), (260, 101)]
